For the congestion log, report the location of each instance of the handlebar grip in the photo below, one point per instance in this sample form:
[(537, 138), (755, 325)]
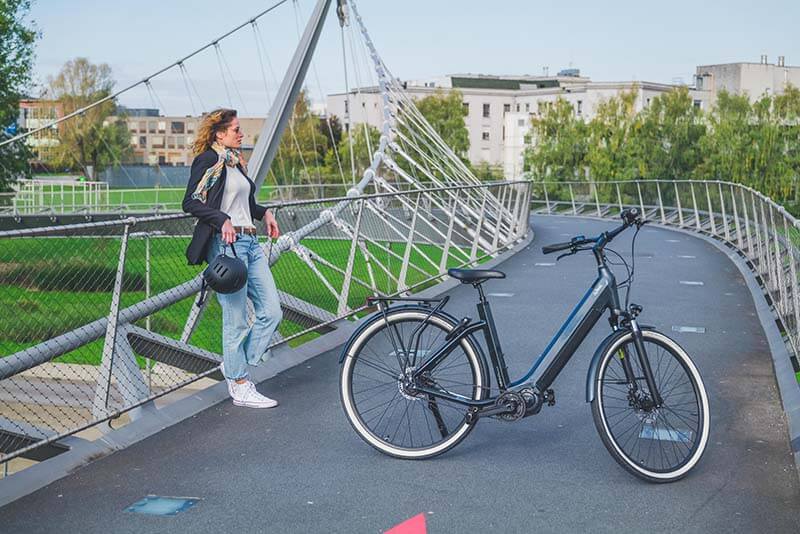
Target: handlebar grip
[(555, 247)]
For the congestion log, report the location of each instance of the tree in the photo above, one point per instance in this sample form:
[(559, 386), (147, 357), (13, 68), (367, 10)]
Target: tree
[(365, 141), (16, 59), (91, 140), (609, 155), (666, 136), (557, 143), (302, 149), (445, 112)]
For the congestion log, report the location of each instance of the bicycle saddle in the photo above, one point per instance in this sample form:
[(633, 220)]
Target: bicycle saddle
[(474, 276)]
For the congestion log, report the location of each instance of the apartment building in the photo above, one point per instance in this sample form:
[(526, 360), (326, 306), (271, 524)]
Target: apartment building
[(752, 79), (499, 108), (167, 140)]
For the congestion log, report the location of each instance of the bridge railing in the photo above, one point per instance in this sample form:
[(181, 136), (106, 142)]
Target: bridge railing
[(99, 318), (759, 229)]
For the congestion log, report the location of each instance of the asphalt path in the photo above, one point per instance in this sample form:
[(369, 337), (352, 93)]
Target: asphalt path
[(301, 468)]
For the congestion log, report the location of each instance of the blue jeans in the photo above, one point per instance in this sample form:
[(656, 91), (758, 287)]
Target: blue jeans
[(243, 344)]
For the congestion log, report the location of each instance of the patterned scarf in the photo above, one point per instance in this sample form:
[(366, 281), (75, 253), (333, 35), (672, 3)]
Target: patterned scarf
[(227, 156)]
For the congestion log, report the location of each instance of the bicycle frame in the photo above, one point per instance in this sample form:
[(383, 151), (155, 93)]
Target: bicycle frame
[(602, 296)]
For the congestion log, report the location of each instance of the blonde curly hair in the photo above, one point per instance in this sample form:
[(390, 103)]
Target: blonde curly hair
[(215, 121)]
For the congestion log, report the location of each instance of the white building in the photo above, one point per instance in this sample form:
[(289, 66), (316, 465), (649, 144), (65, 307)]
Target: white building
[(753, 79), (499, 108)]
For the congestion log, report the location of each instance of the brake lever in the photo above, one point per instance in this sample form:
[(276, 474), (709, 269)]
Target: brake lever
[(572, 252), (565, 255)]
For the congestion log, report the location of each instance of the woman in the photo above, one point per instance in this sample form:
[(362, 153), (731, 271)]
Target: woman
[(222, 197)]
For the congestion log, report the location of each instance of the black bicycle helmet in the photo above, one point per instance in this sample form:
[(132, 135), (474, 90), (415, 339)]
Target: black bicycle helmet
[(226, 274)]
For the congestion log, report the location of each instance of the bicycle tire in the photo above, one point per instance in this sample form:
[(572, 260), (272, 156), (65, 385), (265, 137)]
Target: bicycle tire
[(368, 350), (675, 435)]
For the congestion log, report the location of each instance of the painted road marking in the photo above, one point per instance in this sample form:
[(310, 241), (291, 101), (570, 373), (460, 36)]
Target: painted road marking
[(544, 264), (673, 241), (690, 283), (415, 525), (692, 329), (501, 295), (688, 257)]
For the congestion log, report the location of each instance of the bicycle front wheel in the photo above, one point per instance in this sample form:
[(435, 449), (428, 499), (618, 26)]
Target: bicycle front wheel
[(657, 444), (380, 396)]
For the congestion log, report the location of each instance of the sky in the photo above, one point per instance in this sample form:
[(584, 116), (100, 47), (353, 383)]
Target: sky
[(417, 39)]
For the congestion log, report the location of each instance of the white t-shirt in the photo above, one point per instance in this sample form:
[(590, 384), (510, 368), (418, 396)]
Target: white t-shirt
[(236, 198)]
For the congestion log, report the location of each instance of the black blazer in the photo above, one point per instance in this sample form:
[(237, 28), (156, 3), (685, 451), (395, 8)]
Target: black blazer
[(210, 217)]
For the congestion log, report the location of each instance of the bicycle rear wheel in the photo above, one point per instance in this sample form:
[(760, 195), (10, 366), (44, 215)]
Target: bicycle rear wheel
[(379, 397), (656, 444)]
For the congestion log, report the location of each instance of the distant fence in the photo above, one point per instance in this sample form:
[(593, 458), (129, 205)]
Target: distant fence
[(77, 199), (105, 316), (761, 230)]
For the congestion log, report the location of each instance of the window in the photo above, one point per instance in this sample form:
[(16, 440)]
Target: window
[(189, 127), (527, 108), (486, 108), (171, 141), (142, 140), (517, 108), (132, 127), (647, 103), (157, 141), (162, 160), (151, 127), (346, 106), (142, 126), (504, 132), (466, 108), (521, 122), (580, 107), (506, 108), (133, 140), (485, 136), (177, 127), (162, 127), (181, 141), (698, 104)]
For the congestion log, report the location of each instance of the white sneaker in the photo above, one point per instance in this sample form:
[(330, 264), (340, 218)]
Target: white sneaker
[(246, 395), (228, 380)]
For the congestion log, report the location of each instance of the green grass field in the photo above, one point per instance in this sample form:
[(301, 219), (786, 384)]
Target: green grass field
[(56, 285)]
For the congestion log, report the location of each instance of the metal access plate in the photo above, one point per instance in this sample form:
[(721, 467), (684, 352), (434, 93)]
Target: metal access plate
[(155, 505), (665, 434), (692, 329)]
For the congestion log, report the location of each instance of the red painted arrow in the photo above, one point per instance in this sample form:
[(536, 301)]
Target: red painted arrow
[(415, 525)]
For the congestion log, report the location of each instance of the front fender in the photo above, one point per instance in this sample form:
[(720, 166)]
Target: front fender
[(591, 376)]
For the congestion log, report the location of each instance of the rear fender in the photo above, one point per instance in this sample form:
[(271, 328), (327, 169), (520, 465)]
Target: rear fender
[(378, 316)]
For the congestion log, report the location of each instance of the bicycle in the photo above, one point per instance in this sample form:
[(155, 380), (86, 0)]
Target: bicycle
[(414, 381)]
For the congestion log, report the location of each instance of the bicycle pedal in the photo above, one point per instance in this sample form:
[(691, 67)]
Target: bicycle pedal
[(550, 397)]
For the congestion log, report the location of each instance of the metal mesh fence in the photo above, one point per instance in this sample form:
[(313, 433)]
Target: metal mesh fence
[(101, 317), (763, 232)]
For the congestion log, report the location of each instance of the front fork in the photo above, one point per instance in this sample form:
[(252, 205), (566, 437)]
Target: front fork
[(644, 360)]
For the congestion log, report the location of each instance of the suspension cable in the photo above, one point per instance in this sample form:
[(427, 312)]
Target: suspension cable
[(143, 80)]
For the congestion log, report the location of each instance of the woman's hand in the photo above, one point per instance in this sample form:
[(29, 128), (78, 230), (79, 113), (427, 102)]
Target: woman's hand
[(228, 233), (272, 224)]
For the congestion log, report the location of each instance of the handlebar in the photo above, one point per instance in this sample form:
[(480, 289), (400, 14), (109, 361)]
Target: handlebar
[(629, 217)]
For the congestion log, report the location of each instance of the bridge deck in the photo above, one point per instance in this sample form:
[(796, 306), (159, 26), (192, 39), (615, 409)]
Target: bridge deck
[(300, 468)]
